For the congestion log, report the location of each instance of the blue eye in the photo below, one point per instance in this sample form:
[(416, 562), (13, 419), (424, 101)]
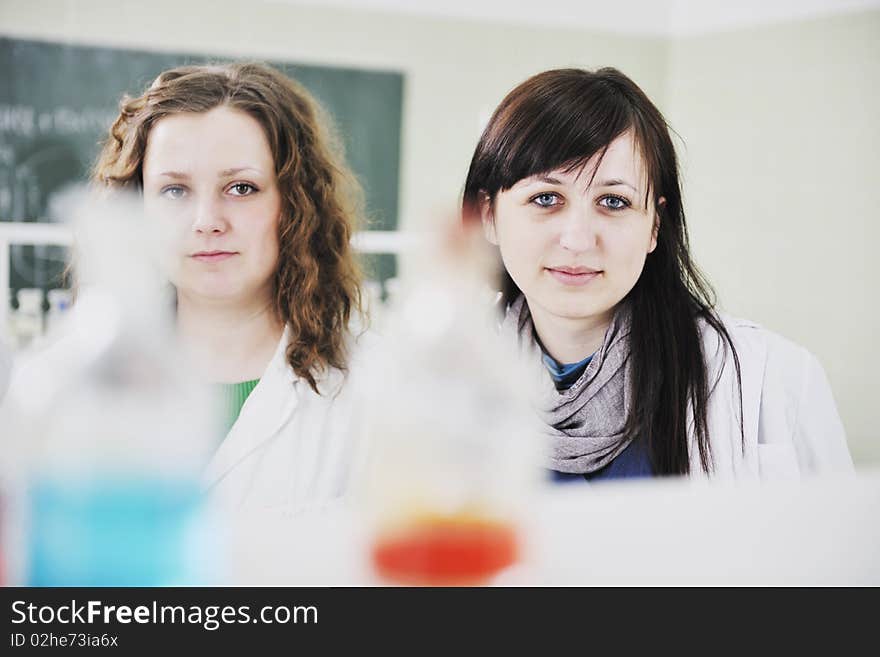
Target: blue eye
[(547, 200), (173, 192), (242, 189), (613, 202)]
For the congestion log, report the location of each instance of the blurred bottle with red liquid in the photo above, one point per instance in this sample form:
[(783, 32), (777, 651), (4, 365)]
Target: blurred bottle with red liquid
[(447, 551), (451, 433)]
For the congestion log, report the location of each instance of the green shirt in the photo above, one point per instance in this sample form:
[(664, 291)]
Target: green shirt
[(233, 396)]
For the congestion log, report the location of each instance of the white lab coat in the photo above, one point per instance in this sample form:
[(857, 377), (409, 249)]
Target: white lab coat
[(790, 421), (291, 450)]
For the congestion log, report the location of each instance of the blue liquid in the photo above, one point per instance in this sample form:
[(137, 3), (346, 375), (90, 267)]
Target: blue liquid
[(113, 531)]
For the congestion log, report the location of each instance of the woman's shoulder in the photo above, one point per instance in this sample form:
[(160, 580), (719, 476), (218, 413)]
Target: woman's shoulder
[(752, 341), (788, 408), (776, 372), (361, 342), (768, 363)]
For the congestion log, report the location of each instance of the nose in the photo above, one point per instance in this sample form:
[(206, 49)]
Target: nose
[(578, 231), (209, 216)]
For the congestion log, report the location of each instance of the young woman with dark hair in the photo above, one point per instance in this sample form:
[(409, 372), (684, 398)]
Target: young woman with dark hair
[(575, 180)]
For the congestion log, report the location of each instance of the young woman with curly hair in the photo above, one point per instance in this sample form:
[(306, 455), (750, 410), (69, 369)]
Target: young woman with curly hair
[(237, 163)]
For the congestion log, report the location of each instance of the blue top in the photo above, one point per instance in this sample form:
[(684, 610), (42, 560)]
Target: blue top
[(634, 461), (565, 375)]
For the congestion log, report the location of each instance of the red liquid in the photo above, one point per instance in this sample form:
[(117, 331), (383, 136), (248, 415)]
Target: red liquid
[(446, 552)]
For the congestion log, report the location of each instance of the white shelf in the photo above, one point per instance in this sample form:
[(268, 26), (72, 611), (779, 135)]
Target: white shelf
[(40, 233)]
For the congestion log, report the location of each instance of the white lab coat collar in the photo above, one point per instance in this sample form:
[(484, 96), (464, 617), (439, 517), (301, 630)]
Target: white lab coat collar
[(268, 407)]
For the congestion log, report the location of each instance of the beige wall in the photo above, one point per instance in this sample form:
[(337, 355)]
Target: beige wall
[(455, 71), (779, 125)]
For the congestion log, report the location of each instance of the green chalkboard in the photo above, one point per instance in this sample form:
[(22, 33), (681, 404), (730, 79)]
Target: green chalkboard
[(57, 102)]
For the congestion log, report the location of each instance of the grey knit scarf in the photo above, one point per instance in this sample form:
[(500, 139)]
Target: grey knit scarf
[(584, 423)]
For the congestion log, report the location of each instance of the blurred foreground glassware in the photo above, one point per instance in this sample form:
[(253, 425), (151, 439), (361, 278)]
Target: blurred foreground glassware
[(27, 321), (60, 301), (451, 431), (115, 430)]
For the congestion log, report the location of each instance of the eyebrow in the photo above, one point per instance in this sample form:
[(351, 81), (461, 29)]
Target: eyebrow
[(614, 182), (235, 170), (534, 180), (179, 175), (611, 182)]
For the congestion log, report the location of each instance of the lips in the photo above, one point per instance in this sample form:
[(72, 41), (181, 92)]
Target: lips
[(575, 270), (213, 256), (574, 275)]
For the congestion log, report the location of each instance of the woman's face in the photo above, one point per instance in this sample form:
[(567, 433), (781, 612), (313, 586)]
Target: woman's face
[(210, 179), (573, 247)]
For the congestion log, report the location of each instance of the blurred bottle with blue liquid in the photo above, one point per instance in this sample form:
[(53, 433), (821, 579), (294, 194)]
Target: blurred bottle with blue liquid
[(115, 430)]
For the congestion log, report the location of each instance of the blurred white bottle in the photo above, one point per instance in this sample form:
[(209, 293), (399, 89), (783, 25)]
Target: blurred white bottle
[(60, 301), (452, 433), (27, 321), (116, 429)]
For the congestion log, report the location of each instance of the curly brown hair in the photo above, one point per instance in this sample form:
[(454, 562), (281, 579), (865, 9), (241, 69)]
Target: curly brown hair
[(317, 286)]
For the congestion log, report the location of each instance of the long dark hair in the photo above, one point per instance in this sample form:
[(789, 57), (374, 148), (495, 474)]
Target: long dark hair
[(562, 118)]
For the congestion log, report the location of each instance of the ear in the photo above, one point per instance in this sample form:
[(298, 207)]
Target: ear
[(661, 203), (487, 218)]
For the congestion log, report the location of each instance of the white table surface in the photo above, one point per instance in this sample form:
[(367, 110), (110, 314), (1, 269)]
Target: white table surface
[(671, 532)]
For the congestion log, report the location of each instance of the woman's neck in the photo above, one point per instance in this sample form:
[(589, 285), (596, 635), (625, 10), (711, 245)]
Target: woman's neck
[(570, 340), (230, 342)]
